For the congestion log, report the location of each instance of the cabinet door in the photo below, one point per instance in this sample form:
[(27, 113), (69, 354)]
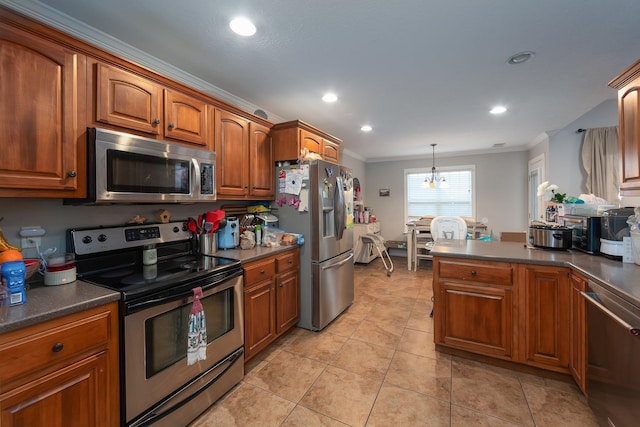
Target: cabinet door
[(629, 112), (547, 293), (261, 176), (185, 118), (310, 141), (39, 110), (231, 143), (127, 100), (287, 301), (578, 332), (74, 396), (331, 151), (474, 318), (259, 317)]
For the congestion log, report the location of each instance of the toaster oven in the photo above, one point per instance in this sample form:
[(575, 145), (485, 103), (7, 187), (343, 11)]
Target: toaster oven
[(586, 232)]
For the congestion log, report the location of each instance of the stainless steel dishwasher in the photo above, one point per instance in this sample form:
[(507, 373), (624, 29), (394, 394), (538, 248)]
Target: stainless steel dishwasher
[(613, 357)]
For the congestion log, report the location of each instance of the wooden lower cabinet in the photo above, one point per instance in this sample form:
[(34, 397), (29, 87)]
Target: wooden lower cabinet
[(474, 306), (546, 324), (63, 372), (271, 299), (578, 332), (524, 313)]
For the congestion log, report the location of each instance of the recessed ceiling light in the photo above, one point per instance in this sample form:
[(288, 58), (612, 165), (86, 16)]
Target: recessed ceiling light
[(242, 26), (366, 128), (330, 97), (521, 57), (498, 109)]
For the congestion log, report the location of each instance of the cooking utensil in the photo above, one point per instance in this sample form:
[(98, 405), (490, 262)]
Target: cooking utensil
[(193, 227), (208, 226)]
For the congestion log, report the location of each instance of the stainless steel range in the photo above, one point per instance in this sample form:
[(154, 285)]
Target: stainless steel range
[(159, 387)]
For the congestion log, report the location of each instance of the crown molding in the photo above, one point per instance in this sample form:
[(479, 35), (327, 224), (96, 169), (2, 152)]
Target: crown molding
[(65, 23)]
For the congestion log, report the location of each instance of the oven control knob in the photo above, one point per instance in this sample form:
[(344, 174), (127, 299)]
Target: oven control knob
[(102, 238), (176, 229), (86, 240)]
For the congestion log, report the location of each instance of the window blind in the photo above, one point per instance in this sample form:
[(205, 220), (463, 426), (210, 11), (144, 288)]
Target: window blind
[(457, 200)]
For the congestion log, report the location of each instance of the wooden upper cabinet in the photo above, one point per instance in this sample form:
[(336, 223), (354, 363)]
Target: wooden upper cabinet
[(231, 147), (134, 103), (39, 87), (185, 118), (311, 141), (331, 151), (628, 85), (290, 138), (127, 100), (261, 176)]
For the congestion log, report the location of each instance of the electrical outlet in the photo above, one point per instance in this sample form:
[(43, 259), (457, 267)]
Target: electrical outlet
[(30, 242)]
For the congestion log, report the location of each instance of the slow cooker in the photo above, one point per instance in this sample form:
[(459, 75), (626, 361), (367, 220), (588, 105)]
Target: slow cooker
[(550, 236)]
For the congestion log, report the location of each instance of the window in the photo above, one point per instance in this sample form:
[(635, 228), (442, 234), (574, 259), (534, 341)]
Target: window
[(457, 200)]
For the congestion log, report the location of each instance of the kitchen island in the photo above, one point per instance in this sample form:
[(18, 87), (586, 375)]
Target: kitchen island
[(509, 302)]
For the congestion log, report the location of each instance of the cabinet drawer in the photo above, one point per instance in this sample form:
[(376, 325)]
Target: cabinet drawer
[(46, 348), (287, 261), (488, 272), (261, 270)]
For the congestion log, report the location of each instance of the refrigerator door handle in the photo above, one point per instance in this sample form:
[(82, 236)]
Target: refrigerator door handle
[(338, 264), (339, 208)]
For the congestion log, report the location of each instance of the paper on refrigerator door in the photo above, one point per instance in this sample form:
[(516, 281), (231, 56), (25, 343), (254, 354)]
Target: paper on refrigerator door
[(304, 201), (293, 182)]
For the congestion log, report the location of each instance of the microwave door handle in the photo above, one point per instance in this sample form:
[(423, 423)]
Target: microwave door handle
[(195, 177)]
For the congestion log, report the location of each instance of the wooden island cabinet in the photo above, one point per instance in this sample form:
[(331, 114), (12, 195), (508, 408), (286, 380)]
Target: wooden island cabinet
[(62, 372), (511, 311), (578, 331)]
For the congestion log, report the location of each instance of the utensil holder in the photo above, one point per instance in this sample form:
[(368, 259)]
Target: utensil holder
[(208, 244)]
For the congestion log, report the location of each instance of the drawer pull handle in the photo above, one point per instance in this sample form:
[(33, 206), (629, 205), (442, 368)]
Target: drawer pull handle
[(473, 272), (290, 261), (261, 271), (57, 347)]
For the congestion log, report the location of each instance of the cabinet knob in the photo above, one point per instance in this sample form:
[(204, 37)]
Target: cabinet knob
[(280, 285), (72, 174), (261, 271), (156, 122), (172, 125), (57, 347), (290, 261), (473, 272)]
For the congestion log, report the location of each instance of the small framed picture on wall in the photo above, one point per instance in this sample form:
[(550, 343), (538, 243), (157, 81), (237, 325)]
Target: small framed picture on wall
[(384, 192)]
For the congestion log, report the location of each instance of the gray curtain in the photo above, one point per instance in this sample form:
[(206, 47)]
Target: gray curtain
[(600, 161)]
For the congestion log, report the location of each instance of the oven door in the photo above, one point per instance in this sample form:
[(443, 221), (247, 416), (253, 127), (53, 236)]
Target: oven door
[(157, 379)]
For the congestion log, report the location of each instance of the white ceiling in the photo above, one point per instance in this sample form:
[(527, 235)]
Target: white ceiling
[(418, 71)]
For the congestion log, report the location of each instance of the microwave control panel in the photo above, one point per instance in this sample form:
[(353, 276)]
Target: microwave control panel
[(206, 179)]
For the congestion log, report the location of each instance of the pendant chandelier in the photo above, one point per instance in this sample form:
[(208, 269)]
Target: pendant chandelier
[(433, 180)]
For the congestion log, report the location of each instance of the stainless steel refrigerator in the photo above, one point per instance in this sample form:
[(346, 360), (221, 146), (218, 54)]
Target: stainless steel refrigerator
[(315, 199)]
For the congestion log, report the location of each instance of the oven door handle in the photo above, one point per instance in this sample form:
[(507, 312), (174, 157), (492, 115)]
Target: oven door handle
[(155, 413), (137, 306), (632, 330)]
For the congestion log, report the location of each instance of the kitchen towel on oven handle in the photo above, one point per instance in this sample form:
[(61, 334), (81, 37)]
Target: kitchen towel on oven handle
[(197, 335)]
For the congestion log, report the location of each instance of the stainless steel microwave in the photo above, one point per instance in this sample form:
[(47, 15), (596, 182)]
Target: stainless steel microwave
[(123, 168)]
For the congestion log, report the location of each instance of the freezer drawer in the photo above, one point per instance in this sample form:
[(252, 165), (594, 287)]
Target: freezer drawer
[(333, 288)]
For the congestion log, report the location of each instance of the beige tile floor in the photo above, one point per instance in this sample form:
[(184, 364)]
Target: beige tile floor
[(376, 365)]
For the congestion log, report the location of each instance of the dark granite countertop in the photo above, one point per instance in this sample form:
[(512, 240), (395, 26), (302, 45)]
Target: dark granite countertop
[(48, 302), (620, 278)]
